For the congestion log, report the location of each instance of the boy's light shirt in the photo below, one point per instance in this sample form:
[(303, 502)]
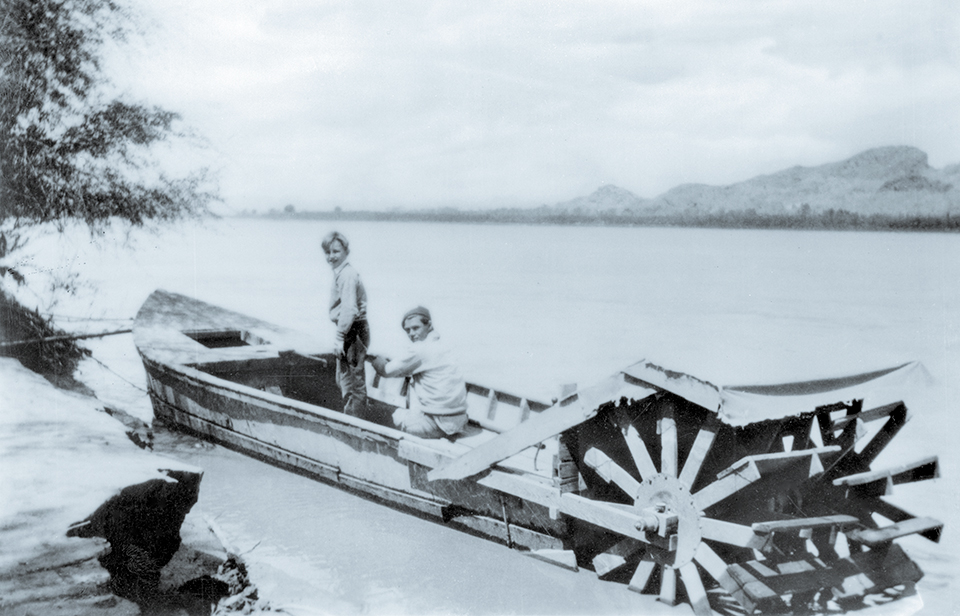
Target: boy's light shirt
[(348, 299), (438, 385)]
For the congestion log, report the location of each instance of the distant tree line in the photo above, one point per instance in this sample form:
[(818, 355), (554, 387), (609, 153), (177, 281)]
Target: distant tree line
[(832, 219)]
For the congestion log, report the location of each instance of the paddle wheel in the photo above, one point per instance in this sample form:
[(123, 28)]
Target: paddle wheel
[(776, 515)]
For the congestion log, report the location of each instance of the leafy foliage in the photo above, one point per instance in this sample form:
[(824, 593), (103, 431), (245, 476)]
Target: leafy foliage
[(66, 154), (72, 153)]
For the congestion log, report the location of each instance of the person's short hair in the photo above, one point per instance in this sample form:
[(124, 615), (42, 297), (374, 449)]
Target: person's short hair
[(419, 311), (335, 236)]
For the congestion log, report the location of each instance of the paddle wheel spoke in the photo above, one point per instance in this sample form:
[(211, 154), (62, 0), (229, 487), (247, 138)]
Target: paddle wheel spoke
[(727, 486), (668, 442), (610, 471), (731, 533), (638, 449), (696, 593), (668, 585), (701, 446), (641, 577), (715, 566), (618, 556)]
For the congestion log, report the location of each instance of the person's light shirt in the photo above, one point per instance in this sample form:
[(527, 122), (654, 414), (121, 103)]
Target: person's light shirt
[(438, 385), (348, 299)]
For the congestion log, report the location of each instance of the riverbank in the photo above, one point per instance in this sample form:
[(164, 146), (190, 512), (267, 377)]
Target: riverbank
[(72, 476)]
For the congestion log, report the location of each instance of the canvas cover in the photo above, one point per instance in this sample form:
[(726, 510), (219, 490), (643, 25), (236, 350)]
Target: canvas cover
[(745, 404), (749, 404)]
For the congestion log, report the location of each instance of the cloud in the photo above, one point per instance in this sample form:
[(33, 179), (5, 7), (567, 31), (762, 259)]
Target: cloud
[(421, 103)]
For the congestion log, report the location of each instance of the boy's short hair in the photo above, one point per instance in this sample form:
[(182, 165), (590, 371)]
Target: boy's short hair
[(335, 236), (419, 311)]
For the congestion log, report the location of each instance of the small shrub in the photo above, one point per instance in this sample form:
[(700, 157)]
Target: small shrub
[(57, 358)]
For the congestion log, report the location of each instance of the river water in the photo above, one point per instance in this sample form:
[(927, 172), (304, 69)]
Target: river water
[(529, 308)]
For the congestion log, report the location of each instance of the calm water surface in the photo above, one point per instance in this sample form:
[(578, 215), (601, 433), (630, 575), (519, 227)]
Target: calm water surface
[(531, 308)]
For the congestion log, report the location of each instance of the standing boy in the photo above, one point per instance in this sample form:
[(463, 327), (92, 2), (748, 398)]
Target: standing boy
[(348, 310)]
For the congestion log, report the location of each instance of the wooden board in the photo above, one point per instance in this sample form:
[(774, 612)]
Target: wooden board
[(798, 524), (928, 527), (880, 482), (567, 413), (562, 558), (701, 393)]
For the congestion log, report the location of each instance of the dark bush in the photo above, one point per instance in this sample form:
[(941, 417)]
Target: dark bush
[(21, 332)]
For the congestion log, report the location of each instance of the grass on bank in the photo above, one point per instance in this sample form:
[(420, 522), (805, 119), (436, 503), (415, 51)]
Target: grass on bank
[(26, 335)]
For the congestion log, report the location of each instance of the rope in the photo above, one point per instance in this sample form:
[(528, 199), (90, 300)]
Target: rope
[(118, 375), (506, 522), (15, 343), (67, 317), (540, 447)]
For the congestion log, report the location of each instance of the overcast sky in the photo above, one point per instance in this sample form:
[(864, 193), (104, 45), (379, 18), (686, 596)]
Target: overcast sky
[(395, 103)]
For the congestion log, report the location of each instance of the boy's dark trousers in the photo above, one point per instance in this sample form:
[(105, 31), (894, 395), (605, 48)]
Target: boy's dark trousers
[(350, 363)]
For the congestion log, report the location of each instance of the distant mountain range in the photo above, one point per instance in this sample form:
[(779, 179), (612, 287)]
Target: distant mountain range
[(890, 188), (889, 181)]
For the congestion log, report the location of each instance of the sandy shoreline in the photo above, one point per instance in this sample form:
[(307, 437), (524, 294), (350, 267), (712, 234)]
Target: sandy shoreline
[(63, 456)]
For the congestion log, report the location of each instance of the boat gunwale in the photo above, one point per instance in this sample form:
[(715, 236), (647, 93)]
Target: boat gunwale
[(287, 406), (410, 448)]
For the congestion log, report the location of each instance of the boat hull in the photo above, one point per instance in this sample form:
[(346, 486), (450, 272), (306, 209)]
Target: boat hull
[(331, 447)]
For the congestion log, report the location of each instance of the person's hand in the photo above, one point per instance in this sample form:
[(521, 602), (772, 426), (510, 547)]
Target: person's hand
[(338, 349), (379, 363)]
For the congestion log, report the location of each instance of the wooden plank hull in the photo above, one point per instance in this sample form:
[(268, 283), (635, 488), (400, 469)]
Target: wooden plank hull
[(337, 449)]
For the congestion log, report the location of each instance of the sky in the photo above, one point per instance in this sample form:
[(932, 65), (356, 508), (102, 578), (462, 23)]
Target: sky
[(397, 103)]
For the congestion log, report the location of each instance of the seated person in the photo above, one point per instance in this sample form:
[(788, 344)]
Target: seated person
[(438, 401)]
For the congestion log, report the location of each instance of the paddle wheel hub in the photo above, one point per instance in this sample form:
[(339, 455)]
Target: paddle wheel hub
[(670, 519)]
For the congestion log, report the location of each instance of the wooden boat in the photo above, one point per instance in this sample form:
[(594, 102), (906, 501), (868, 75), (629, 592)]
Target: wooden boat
[(761, 495)]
